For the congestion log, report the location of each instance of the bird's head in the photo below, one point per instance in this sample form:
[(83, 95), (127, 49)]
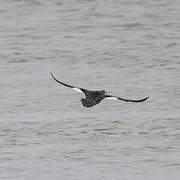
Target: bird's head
[(102, 91)]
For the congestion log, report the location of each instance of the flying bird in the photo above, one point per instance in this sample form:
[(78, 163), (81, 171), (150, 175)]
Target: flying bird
[(95, 97)]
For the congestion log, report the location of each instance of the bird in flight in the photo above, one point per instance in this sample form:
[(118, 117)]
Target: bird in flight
[(95, 97)]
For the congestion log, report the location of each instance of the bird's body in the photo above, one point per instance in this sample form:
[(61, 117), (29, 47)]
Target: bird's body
[(95, 97), (92, 98)]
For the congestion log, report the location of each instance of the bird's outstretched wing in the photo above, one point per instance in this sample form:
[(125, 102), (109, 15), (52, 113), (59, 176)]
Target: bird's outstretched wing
[(122, 99), (80, 90)]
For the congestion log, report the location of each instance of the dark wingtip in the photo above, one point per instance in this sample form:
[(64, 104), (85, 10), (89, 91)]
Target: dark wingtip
[(145, 98), (52, 75)]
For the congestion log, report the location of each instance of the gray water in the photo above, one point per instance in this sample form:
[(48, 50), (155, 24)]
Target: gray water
[(131, 48)]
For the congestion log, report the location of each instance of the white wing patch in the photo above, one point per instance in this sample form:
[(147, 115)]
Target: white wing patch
[(77, 90), (112, 98)]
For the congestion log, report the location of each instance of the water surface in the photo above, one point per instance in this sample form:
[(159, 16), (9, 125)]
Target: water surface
[(129, 48)]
